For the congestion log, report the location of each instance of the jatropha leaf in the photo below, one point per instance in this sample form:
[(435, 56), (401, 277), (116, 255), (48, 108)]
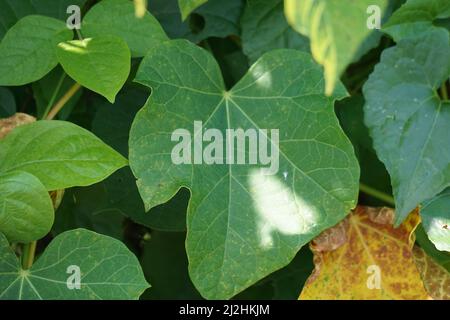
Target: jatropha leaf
[(28, 50), (118, 18), (435, 215), (187, 6), (26, 210), (78, 264), (59, 153), (101, 64), (408, 122), (416, 17), (365, 257), (337, 29), (243, 223), (264, 28)]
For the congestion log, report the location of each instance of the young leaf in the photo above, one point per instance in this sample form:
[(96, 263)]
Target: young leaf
[(28, 50), (242, 224), (100, 64), (26, 210), (435, 215), (336, 28), (408, 122), (187, 6), (364, 257), (7, 103), (415, 18), (265, 28), (118, 18), (440, 257), (59, 153), (105, 267)]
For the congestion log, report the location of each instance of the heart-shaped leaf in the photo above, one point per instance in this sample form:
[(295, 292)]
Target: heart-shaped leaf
[(336, 28), (59, 153), (242, 223), (101, 64), (105, 268), (28, 50), (408, 122), (26, 210), (118, 18)]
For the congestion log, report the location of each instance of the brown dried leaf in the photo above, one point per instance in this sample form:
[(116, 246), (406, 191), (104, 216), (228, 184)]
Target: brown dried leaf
[(8, 124)]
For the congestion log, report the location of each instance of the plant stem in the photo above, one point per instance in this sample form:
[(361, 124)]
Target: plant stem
[(444, 93), (29, 250), (376, 194), (55, 94), (64, 99)]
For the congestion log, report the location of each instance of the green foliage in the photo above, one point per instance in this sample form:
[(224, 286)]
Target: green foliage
[(361, 113)]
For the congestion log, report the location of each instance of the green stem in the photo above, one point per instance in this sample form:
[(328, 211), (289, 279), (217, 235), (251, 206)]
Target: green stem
[(53, 98), (376, 194), (64, 99), (29, 250), (444, 93)]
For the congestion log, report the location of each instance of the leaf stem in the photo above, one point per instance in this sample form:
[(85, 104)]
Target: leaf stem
[(29, 249), (55, 94), (444, 93), (376, 194), (64, 99)]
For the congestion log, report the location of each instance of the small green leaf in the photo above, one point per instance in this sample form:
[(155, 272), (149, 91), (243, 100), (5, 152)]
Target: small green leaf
[(28, 50), (7, 103), (26, 210), (118, 18), (336, 28), (187, 6), (108, 270), (441, 257), (408, 122), (264, 28), (416, 17), (243, 225), (435, 215), (100, 64), (59, 153)]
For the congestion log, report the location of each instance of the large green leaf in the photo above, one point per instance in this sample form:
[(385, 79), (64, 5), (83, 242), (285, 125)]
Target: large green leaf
[(337, 29), (217, 18), (118, 18), (59, 153), (108, 270), (101, 64), (12, 10), (28, 50), (187, 6), (26, 210), (265, 28), (408, 122), (435, 215), (416, 17), (243, 224)]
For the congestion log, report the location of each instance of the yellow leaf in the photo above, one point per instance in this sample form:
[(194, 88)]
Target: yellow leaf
[(435, 278), (365, 257)]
